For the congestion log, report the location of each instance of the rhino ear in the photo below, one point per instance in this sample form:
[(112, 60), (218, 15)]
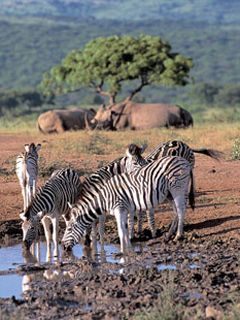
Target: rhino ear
[(143, 148), (26, 146)]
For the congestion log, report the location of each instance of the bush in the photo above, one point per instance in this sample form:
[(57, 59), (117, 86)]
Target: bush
[(236, 149)]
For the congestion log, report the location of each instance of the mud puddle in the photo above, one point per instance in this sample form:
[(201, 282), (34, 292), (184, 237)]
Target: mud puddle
[(14, 280)]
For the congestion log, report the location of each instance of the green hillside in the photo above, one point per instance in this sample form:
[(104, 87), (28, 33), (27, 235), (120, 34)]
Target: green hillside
[(29, 47), (214, 11), (37, 34)]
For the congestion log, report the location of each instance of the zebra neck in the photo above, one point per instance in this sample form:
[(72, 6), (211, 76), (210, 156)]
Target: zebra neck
[(41, 203)]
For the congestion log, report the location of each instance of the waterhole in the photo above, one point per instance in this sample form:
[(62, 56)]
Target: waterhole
[(11, 259)]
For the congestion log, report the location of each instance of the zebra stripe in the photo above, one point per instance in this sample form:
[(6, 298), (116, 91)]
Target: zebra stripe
[(181, 149), (128, 192), (50, 202), (169, 148), (27, 172)]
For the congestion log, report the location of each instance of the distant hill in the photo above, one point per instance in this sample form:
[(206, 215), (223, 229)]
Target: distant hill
[(213, 11), (37, 34), (31, 46)]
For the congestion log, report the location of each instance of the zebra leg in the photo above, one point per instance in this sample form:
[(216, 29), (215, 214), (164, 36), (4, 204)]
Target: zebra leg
[(121, 218), (24, 194), (174, 223), (131, 225), (34, 188), (151, 221), (180, 203), (46, 226), (94, 237), (55, 222), (101, 230), (28, 194), (140, 221)]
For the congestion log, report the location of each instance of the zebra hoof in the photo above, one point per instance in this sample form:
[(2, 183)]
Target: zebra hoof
[(178, 238)]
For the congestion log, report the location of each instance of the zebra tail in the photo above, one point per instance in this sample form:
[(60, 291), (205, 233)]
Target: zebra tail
[(215, 154), (191, 195)]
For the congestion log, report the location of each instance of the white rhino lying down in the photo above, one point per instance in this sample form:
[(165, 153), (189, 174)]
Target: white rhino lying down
[(137, 116), (57, 121)]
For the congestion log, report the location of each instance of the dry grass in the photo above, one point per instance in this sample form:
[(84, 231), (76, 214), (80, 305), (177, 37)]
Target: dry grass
[(218, 136), (81, 147)]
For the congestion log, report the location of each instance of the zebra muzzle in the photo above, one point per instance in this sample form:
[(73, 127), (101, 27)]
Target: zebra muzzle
[(66, 248), (26, 245)]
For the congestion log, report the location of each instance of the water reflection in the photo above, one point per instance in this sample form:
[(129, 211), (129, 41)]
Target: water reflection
[(53, 274), (15, 259)]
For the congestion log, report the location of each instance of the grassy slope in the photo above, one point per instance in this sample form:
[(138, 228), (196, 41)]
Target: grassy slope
[(204, 10), (31, 46)]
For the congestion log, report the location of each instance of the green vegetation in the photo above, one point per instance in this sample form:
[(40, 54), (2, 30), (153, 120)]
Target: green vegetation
[(106, 63), (32, 45), (217, 10), (236, 150)]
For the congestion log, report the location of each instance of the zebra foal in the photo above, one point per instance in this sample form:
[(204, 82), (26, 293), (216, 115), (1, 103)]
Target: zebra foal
[(49, 203), (27, 172), (135, 191)]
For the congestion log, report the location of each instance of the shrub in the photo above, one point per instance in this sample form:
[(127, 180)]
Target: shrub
[(236, 149)]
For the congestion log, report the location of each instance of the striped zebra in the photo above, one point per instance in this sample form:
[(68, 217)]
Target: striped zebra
[(93, 183), (49, 203), (181, 149), (27, 172), (139, 190), (169, 148)]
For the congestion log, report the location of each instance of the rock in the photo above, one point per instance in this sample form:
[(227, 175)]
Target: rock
[(213, 313)]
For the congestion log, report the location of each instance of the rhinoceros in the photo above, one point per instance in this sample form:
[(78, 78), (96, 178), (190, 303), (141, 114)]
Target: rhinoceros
[(137, 116), (57, 121)]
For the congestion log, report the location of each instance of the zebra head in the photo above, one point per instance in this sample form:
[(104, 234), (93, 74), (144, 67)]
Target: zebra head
[(134, 155), (73, 230), (32, 148), (30, 228)]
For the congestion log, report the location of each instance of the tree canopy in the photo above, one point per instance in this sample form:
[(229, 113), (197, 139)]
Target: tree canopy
[(106, 63)]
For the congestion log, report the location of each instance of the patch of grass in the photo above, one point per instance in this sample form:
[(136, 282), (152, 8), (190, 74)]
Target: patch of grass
[(46, 169), (234, 313), (96, 144), (18, 123), (165, 308), (236, 149), (12, 315)]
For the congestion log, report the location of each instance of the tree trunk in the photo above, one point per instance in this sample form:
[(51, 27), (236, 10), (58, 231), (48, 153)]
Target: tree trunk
[(112, 99)]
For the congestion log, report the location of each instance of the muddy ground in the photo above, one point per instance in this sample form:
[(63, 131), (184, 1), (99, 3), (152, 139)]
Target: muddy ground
[(196, 277)]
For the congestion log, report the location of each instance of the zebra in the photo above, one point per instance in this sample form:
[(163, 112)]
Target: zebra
[(93, 183), (49, 203), (169, 148), (27, 172), (139, 190), (180, 148)]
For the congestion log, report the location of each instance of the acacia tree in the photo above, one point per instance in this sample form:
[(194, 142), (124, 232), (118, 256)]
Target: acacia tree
[(104, 64)]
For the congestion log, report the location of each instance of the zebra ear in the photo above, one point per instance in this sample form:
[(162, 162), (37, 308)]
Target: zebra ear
[(26, 146), (40, 214), (38, 147), (22, 216), (143, 147), (70, 206)]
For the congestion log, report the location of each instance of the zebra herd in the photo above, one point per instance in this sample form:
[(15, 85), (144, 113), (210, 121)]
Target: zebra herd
[(126, 186)]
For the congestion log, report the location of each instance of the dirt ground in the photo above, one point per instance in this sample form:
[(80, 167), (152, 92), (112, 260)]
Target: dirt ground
[(217, 185), (212, 229)]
